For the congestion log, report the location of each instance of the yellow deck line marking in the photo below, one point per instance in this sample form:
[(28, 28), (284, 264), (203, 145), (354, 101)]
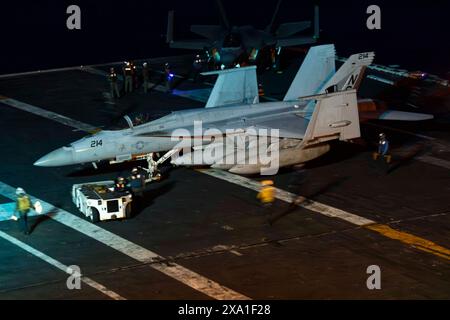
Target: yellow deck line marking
[(410, 239)]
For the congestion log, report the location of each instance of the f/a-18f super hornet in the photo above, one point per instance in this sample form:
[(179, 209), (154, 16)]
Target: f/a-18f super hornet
[(320, 106), (227, 45)]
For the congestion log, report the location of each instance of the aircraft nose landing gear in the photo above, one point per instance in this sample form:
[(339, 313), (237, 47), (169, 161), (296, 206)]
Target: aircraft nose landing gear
[(153, 172)]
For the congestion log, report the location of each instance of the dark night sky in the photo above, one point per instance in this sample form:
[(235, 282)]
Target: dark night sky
[(415, 34)]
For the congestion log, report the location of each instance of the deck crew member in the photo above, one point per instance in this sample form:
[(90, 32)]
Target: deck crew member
[(134, 75), (23, 207), (197, 67), (145, 76), (128, 76), (137, 182), (168, 77), (383, 149), (121, 185), (114, 88), (267, 193)]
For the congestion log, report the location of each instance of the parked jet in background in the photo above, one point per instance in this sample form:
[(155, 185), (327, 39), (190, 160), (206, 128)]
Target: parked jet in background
[(228, 45)]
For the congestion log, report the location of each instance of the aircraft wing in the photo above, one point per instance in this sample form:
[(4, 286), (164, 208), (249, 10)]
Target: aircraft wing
[(199, 44), (290, 125)]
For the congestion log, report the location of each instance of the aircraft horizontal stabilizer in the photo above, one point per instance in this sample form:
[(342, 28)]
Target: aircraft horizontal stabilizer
[(404, 116)]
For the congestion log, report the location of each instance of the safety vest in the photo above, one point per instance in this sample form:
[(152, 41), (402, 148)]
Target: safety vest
[(128, 71), (113, 77), (267, 194), (383, 147), (120, 187), (136, 181), (23, 204)]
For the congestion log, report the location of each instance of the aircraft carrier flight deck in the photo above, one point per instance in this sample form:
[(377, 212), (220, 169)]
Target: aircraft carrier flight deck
[(201, 233)]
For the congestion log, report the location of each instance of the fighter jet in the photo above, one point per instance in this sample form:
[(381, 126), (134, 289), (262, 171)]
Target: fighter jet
[(320, 106), (228, 45)]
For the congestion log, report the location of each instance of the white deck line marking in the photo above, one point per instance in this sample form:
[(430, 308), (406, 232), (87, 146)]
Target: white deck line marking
[(412, 105), (60, 266), (48, 114), (436, 161), (30, 73), (380, 79), (289, 197), (81, 68), (237, 253), (7, 210), (141, 254)]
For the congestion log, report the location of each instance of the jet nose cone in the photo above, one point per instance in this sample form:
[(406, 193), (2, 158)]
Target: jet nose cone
[(59, 157)]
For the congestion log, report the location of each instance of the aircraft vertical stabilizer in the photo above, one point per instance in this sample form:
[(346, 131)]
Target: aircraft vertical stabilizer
[(335, 116), (233, 86), (350, 74), (317, 68)]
